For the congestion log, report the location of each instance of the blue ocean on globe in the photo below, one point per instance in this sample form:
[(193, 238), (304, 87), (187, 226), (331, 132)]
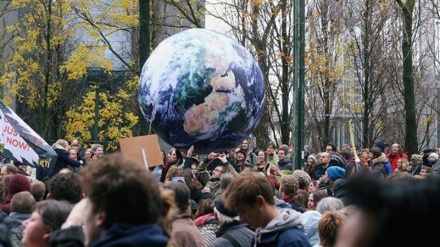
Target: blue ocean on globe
[(201, 88)]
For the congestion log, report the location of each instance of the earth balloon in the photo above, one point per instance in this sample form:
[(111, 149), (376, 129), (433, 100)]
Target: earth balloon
[(201, 88)]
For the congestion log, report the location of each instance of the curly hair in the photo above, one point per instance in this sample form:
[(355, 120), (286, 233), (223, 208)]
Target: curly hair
[(65, 186), (289, 185), (303, 179)]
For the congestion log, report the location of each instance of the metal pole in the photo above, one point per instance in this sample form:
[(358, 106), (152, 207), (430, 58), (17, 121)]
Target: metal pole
[(299, 80), (95, 125)]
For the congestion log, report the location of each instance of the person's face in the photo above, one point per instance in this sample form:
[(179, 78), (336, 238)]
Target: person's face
[(346, 149), (240, 156), (324, 158), (251, 214), (311, 202), (281, 154), (99, 152), (217, 172), (311, 186), (194, 168), (3, 171), (72, 154), (173, 155), (22, 167), (399, 163), (329, 149), (395, 148), (318, 159), (261, 156), (35, 233), (74, 143), (365, 154), (370, 155), (87, 155), (93, 224), (244, 145), (270, 150), (326, 178)]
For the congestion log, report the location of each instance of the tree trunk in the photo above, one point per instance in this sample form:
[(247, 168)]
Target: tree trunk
[(144, 32), (411, 141)]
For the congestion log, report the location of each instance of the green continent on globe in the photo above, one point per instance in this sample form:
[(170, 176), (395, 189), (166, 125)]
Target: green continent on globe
[(192, 89)]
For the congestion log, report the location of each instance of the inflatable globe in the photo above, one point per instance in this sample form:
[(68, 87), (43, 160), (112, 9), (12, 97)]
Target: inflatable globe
[(201, 88)]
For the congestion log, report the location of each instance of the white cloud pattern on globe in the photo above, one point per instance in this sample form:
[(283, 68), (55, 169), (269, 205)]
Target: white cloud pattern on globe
[(201, 88)]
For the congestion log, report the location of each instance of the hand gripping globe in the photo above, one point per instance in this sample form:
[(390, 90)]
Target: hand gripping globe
[(201, 88)]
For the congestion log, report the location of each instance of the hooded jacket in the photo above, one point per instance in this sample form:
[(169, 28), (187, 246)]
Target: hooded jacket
[(285, 164), (335, 160), (310, 221), (234, 230), (63, 160), (117, 235), (131, 235), (435, 168), (378, 165), (285, 230), (340, 192)]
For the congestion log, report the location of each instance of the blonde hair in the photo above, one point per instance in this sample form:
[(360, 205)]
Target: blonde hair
[(172, 172), (404, 165), (63, 143)]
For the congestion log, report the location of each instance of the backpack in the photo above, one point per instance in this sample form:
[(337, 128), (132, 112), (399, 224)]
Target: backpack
[(231, 240), (388, 168)]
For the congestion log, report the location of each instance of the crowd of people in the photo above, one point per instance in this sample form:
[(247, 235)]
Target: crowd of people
[(242, 197)]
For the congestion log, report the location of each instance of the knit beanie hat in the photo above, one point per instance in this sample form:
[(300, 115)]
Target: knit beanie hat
[(302, 177), (285, 148), (335, 172), (380, 144), (221, 208), (243, 152), (312, 157), (18, 183), (433, 156)]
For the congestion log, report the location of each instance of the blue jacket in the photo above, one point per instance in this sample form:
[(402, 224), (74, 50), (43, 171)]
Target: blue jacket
[(132, 235), (285, 165), (63, 160)]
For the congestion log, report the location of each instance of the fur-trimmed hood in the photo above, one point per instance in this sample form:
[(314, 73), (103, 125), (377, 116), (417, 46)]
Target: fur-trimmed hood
[(381, 159)]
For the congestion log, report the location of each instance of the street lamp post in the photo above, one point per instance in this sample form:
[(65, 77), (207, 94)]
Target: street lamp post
[(96, 77), (299, 80)]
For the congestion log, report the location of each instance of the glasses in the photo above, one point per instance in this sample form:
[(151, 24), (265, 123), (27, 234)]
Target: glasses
[(328, 149)]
